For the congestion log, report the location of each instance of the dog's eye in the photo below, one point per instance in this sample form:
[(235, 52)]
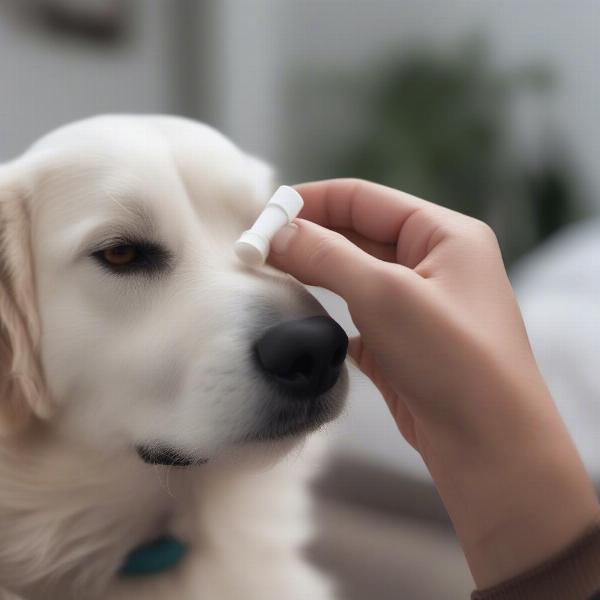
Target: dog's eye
[(120, 255), (126, 257)]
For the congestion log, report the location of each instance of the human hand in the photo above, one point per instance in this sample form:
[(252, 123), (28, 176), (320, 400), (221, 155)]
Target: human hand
[(442, 338)]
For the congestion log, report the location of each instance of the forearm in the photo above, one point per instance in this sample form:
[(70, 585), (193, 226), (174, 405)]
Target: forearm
[(516, 496)]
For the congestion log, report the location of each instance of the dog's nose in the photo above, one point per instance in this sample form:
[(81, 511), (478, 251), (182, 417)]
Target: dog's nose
[(305, 356)]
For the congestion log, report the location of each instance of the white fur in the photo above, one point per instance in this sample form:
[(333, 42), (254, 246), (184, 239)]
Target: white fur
[(93, 364)]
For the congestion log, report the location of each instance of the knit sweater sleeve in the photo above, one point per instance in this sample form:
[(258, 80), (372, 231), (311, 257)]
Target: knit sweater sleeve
[(573, 574)]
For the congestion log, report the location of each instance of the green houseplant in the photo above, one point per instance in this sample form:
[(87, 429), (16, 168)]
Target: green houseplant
[(440, 128)]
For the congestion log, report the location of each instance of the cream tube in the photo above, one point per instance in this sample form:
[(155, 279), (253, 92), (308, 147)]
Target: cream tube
[(254, 244)]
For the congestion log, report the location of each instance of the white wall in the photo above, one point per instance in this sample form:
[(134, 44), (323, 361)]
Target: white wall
[(48, 81)]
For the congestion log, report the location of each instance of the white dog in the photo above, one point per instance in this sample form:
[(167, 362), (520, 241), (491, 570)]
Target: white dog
[(145, 371)]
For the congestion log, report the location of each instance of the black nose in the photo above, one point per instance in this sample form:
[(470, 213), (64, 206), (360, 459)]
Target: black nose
[(305, 356)]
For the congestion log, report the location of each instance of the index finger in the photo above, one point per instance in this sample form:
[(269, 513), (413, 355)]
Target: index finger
[(374, 211)]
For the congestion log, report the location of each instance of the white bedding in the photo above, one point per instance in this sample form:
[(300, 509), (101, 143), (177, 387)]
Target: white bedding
[(558, 287)]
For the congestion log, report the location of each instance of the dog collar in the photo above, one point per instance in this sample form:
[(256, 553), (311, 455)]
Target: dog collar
[(154, 557)]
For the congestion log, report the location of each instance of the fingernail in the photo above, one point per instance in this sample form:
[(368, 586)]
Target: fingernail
[(281, 242)]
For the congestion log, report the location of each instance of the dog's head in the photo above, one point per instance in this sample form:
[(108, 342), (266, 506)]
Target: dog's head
[(127, 321)]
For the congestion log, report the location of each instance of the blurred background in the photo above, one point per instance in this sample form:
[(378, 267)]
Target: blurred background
[(490, 108)]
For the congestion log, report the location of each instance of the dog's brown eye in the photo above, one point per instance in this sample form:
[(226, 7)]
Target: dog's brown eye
[(120, 255), (131, 258)]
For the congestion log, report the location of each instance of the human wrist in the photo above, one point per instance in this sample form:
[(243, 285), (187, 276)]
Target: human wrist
[(515, 498)]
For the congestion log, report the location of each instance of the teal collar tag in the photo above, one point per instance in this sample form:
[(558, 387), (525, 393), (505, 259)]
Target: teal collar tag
[(154, 557)]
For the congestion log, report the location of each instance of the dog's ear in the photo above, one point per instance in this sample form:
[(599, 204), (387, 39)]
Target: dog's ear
[(22, 390)]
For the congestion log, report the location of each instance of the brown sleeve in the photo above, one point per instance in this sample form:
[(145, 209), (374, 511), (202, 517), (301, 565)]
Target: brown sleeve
[(573, 574)]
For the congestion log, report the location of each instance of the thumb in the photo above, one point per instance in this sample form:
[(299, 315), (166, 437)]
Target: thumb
[(319, 256)]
